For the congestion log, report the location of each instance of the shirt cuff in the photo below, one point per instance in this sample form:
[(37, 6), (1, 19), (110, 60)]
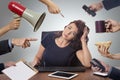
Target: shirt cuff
[(1, 67), (109, 72), (10, 44)]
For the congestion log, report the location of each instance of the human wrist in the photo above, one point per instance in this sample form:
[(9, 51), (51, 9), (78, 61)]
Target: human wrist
[(108, 70), (8, 27), (109, 56), (83, 40), (119, 25), (100, 5), (5, 65), (13, 42), (10, 43)]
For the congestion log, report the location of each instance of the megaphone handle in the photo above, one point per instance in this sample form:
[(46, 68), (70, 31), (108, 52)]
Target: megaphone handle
[(16, 16)]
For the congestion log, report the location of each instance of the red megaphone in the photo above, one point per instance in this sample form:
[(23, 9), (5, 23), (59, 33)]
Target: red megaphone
[(34, 18)]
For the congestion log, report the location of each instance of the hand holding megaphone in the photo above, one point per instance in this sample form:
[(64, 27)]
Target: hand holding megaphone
[(14, 24), (34, 18), (15, 16)]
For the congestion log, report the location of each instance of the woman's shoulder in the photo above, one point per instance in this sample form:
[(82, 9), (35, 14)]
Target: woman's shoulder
[(47, 35), (47, 39)]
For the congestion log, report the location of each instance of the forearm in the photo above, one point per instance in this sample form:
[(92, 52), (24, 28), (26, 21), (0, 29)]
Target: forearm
[(46, 2), (37, 58), (40, 53), (114, 56), (100, 5), (4, 30), (119, 26), (86, 54)]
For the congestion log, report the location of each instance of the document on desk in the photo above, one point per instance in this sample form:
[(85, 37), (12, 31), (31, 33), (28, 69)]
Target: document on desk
[(20, 72)]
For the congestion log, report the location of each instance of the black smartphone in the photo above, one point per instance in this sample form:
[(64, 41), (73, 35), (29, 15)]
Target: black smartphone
[(87, 9), (96, 63)]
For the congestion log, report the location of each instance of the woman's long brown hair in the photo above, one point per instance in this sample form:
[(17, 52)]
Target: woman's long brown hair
[(76, 42)]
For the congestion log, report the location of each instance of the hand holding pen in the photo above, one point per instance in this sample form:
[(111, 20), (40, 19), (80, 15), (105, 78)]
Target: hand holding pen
[(61, 14)]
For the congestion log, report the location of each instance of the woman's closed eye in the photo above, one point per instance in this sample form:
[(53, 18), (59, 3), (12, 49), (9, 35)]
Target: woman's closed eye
[(74, 34), (69, 27)]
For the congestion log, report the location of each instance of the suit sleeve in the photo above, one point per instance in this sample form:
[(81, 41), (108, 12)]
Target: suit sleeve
[(114, 74), (1, 67), (109, 4), (4, 47)]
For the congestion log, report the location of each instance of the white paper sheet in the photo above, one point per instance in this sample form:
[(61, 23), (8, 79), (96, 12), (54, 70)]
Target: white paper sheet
[(19, 72)]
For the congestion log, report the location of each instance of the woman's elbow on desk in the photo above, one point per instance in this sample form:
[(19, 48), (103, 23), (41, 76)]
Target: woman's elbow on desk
[(88, 65)]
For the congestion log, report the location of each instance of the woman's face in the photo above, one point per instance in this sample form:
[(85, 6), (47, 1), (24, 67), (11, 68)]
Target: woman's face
[(70, 32)]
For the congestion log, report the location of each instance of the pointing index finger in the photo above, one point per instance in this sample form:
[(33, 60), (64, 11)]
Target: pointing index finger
[(32, 39)]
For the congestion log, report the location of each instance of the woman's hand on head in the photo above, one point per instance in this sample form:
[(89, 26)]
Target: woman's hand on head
[(85, 33)]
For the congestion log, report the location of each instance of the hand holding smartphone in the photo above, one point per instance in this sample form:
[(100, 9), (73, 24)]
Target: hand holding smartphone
[(96, 63), (87, 9)]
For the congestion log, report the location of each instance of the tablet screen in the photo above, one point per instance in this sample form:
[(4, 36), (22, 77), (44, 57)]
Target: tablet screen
[(100, 74), (61, 74)]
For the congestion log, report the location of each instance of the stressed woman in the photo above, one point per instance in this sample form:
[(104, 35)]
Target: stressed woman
[(59, 49)]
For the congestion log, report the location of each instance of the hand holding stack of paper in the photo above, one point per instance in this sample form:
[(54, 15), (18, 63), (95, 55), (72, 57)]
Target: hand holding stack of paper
[(21, 71)]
